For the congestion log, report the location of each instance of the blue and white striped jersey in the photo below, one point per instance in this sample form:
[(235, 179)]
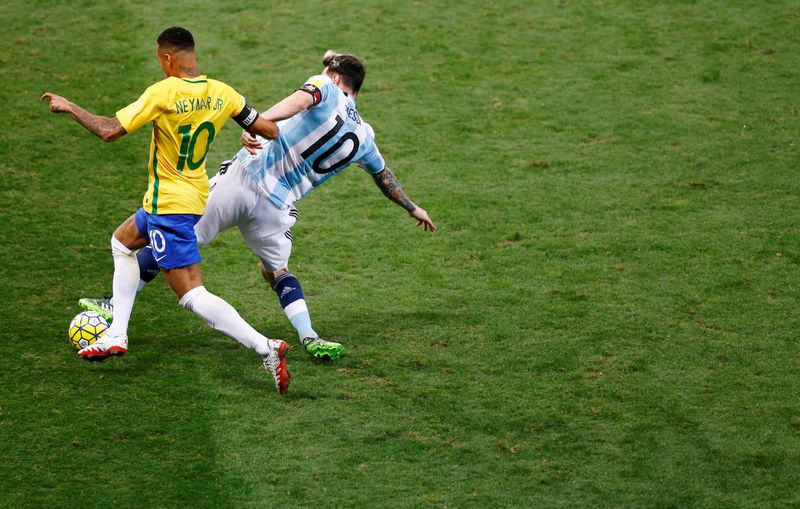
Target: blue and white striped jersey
[(313, 146)]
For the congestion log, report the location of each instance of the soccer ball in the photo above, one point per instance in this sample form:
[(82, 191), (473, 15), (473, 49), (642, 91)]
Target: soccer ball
[(86, 328)]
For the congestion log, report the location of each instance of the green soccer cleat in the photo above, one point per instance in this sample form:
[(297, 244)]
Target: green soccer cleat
[(103, 307), (321, 349)]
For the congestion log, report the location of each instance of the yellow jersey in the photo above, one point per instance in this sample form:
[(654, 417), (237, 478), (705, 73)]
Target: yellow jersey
[(186, 115)]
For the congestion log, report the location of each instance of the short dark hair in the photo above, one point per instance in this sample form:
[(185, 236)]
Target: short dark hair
[(348, 66), (176, 38)]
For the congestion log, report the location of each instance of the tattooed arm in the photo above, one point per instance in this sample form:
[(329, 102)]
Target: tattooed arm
[(387, 182), (109, 129)]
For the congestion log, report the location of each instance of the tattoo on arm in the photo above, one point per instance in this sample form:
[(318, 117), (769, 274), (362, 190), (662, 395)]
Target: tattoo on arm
[(109, 129), (388, 183)]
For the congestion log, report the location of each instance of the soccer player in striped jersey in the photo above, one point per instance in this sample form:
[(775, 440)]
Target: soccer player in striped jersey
[(321, 133), (186, 110)]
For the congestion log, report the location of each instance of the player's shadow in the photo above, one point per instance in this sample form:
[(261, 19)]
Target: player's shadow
[(297, 389), (311, 377), (129, 364)]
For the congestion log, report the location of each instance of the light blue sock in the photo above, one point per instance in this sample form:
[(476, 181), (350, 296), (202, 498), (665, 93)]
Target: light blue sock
[(290, 293)]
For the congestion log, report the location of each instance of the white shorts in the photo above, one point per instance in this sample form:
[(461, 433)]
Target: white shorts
[(236, 200)]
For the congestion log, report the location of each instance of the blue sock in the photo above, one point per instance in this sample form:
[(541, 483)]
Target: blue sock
[(290, 293), (148, 268)]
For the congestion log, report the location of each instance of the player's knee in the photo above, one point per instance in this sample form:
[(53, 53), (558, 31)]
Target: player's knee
[(118, 248), (129, 236), (271, 275)]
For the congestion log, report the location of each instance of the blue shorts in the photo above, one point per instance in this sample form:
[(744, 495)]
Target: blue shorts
[(172, 238)]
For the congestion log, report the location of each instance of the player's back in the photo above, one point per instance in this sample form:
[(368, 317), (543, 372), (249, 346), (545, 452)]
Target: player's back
[(186, 114), (313, 146)]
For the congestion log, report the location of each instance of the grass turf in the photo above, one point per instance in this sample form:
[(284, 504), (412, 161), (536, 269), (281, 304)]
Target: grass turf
[(606, 317)]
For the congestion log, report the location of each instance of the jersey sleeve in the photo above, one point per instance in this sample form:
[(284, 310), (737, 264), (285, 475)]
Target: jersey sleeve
[(319, 88), (149, 106), (372, 161), (236, 101)]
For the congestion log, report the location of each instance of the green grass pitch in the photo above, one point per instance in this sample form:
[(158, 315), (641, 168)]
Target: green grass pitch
[(607, 316)]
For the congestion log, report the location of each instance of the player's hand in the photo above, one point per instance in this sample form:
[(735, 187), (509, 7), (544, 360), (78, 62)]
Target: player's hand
[(422, 219), (250, 142), (57, 103)]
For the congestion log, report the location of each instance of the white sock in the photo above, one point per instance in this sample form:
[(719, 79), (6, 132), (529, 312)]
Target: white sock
[(139, 289), (126, 280), (221, 316)]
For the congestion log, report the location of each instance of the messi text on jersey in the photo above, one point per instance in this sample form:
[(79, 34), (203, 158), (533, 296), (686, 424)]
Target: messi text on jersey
[(353, 114)]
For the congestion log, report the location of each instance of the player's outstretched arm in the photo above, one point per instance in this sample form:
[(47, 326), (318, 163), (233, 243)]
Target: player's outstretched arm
[(108, 129), (387, 182), (289, 106), (286, 108)]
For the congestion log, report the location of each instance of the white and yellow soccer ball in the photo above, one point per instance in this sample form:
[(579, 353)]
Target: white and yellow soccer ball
[(86, 328)]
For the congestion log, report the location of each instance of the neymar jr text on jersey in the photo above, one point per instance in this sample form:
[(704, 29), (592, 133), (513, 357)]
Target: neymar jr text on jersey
[(198, 103)]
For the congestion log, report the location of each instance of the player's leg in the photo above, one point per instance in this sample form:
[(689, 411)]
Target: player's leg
[(148, 270), (290, 294), (126, 239), (222, 211), (219, 315), (269, 236), (187, 283), (179, 259)]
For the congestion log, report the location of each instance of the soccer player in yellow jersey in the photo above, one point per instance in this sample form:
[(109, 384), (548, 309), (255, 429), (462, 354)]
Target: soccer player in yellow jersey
[(186, 110)]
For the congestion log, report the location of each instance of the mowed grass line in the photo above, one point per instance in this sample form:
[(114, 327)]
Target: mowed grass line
[(606, 316)]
